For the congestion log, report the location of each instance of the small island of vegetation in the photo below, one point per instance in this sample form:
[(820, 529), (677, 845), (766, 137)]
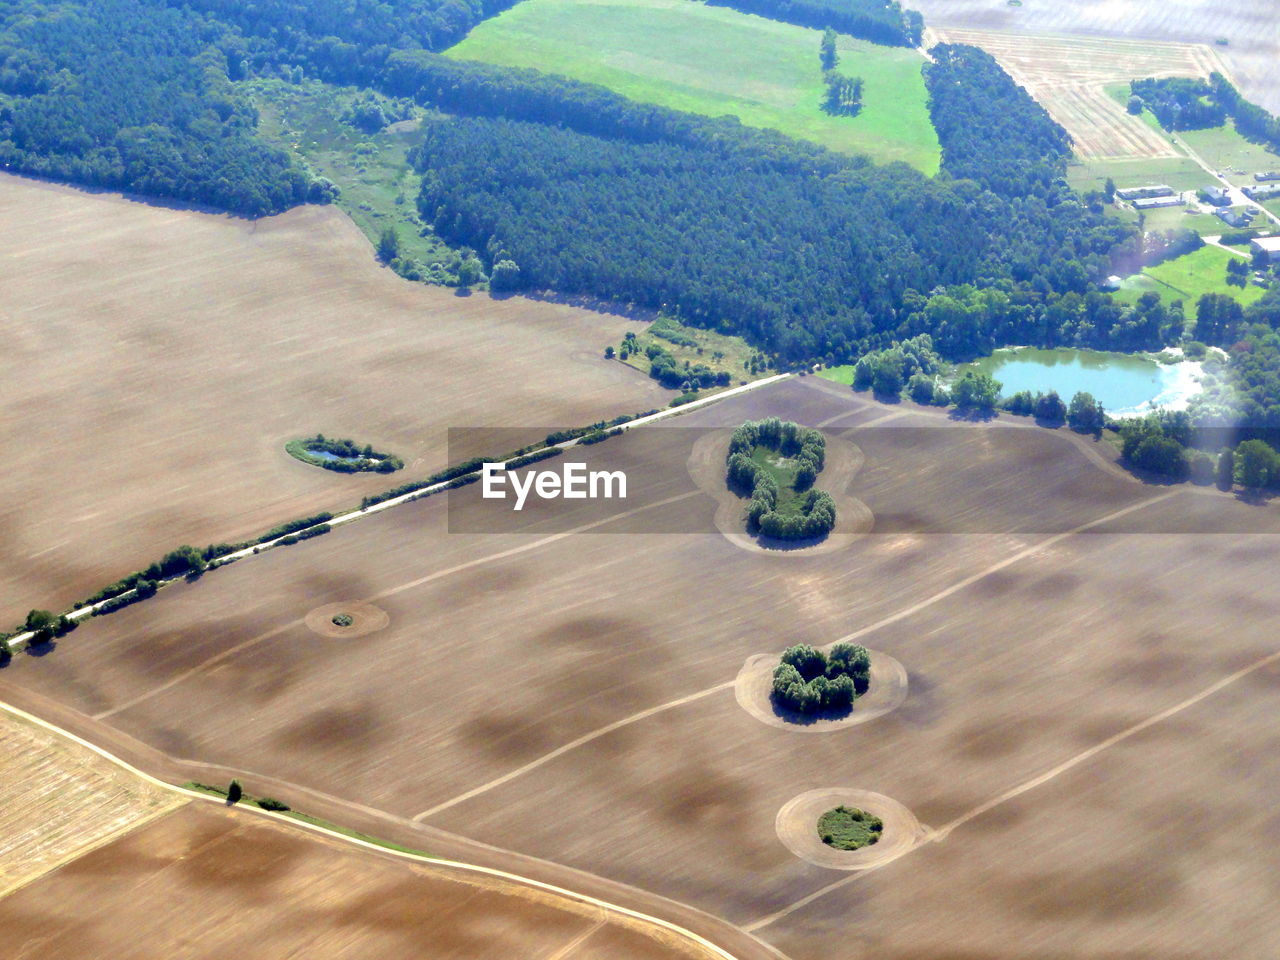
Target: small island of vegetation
[(807, 681), (342, 620), (344, 456), (775, 463), (847, 828)]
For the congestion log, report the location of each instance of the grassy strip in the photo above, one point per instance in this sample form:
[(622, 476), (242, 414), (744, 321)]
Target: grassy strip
[(250, 799)]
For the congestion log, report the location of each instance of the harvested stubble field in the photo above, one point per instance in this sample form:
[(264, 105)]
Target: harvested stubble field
[(161, 358), (1069, 76), (1042, 602), (207, 881), (1252, 53), (58, 799)]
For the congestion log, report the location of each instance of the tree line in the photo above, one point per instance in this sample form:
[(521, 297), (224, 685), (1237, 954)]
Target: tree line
[(881, 21)]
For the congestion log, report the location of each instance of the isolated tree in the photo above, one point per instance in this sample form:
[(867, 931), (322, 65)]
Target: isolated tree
[(388, 245), (976, 391), (1050, 408), (41, 621), (609, 353), (506, 276), (1226, 468), (1085, 414), (1256, 465), (828, 54), (234, 793), (1109, 189)]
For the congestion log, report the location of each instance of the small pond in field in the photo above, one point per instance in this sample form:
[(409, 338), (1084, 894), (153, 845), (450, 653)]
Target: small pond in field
[(1124, 383)]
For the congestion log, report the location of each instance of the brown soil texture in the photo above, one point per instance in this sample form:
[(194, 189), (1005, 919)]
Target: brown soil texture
[(1252, 53), (206, 881), (168, 355), (58, 799), (1043, 603)]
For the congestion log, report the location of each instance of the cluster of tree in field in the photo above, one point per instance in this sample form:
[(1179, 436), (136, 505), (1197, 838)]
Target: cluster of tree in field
[(844, 94), (881, 21), (134, 95), (808, 681), (809, 515), (1182, 103), (670, 372), (1179, 103), (354, 457)]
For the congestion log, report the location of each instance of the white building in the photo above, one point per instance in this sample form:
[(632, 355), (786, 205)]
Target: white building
[(1268, 245)]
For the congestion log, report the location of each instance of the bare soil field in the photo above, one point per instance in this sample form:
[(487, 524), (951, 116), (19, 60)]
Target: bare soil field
[(1252, 53), (1069, 634), (1068, 76), (207, 881), (58, 799), (160, 359)]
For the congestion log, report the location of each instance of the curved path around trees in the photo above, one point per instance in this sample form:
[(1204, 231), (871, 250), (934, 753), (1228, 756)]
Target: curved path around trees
[(887, 691), (365, 619), (717, 937), (797, 826), (843, 460)]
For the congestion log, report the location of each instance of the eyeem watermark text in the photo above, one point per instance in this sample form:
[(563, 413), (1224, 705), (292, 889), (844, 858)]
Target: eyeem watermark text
[(573, 481)]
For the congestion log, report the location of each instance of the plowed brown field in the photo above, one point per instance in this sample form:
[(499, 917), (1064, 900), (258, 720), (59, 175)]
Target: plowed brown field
[(158, 360), (1086, 739)]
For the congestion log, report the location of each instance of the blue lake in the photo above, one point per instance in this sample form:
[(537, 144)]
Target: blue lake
[(1122, 383)]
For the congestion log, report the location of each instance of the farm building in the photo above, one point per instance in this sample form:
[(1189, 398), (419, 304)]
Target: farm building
[(1268, 175), (1264, 192), (1268, 245), (1153, 190), (1218, 196), (1146, 203), (1234, 216)]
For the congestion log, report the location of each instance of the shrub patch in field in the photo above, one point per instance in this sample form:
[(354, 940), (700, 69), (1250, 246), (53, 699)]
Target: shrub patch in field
[(847, 828), (811, 682)]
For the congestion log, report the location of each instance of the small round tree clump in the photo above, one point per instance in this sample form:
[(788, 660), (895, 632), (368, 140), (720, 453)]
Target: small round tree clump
[(810, 682), (343, 620), (847, 828)]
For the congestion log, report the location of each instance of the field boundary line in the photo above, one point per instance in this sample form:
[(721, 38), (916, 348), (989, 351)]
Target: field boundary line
[(20, 640), (1026, 786), (728, 685), (389, 592), (386, 851)]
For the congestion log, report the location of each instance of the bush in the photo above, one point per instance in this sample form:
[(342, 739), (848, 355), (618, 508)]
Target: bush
[(1201, 467), (809, 682), (1256, 465), (270, 803)]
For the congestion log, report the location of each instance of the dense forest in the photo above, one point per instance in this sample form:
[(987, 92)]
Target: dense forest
[(565, 185), (130, 95), (882, 21), (806, 253)]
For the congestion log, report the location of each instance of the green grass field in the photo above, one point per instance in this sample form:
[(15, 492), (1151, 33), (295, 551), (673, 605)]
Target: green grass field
[(716, 61), (1229, 153), (783, 471), (1187, 278), (693, 345), (1181, 173)]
